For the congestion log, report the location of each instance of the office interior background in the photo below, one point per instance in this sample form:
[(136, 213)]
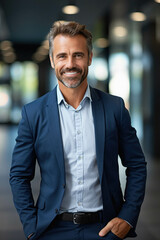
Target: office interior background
[(126, 62)]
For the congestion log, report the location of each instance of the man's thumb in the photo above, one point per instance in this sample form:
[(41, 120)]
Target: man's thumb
[(106, 229)]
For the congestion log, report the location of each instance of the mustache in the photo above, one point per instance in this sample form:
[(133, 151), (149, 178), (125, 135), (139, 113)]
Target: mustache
[(74, 69)]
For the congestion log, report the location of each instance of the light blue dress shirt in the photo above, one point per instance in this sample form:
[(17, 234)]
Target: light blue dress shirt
[(83, 190)]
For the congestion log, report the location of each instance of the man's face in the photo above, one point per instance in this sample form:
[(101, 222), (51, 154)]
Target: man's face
[(70, 59)]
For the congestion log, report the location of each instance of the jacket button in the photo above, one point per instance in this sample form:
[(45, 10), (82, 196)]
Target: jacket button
[(56, 211), (64, 185)]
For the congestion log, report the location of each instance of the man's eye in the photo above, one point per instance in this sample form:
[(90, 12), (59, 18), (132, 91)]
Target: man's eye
[(79, 55), (61, 56)]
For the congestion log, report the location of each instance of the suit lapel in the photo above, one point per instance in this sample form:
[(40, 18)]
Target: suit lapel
[(55, 130), (99, 123)]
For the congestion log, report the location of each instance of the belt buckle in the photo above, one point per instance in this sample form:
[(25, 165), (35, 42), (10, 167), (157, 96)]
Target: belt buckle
[(75, 218)]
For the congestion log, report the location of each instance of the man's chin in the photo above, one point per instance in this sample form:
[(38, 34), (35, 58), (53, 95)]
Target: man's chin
[(71, 84)]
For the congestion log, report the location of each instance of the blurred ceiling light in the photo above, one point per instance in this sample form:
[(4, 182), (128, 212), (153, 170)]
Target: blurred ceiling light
[(5, 45), (119, 76), (70, 8), (136, 49), (45, 44), (8, 53), (120, 31), (9, 58), (138, 16), (42, 50), (7, 50), (157, 1), (4, 99), (100, 69), (38, 57), (102, 43)]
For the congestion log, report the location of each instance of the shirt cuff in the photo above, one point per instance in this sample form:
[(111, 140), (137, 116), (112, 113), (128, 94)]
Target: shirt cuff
[(129, 224), (30, 235)]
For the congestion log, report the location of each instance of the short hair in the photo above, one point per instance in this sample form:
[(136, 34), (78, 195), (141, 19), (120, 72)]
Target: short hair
[(71, 29)]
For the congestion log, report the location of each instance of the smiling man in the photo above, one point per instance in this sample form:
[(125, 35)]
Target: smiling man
[(71, 66), (76, 134), (70, 59)]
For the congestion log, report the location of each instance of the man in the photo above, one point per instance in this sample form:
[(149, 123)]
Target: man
[(76, 134)]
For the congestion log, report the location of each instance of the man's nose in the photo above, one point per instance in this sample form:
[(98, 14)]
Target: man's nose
[(70, 62)]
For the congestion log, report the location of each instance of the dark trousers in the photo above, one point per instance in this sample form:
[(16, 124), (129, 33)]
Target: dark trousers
[(61, 230)]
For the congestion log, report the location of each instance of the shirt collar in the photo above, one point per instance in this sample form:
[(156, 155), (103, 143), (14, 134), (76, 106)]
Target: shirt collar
[(60, 97)]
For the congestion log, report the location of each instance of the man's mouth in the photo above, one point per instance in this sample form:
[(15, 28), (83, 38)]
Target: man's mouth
[(71, 73)]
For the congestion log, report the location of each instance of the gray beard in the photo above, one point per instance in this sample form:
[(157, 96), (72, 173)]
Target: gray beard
[(77, 84)]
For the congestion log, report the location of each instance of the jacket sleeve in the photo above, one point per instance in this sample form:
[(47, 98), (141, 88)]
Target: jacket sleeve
[(21, 173), (133, 159)]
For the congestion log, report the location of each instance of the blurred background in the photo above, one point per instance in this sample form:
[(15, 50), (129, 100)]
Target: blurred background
[(126, 40)]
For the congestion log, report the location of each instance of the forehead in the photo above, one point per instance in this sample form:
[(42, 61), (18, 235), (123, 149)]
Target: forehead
[(66, 42)]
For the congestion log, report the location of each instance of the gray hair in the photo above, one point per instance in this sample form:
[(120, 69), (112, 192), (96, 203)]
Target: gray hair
[(71, 29)]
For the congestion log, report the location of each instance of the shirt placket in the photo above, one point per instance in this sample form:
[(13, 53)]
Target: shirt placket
[(79, 158)]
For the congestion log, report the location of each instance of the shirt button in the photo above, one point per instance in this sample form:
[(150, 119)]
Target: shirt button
[(66, 105), (78, 132), (79, 203)]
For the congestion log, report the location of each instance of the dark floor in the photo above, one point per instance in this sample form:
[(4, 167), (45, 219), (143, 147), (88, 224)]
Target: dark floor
[(10, 227)]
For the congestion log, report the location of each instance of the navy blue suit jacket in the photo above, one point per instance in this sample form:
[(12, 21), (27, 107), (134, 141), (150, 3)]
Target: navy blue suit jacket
[(39, 138)]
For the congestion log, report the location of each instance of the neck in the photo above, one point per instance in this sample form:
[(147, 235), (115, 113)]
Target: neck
[(73, 96)]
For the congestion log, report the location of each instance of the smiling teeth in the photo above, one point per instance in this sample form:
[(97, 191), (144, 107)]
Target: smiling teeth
[(70, 73)]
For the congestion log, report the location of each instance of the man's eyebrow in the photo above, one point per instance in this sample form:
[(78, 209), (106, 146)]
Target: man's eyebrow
[(60, 54), (82, 53), (64, 54)]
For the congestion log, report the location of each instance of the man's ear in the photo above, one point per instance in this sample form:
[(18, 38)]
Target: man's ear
[(51, 61), (90, 59)]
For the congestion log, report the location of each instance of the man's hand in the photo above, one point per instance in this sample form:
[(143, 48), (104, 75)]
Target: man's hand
[(117, 226)]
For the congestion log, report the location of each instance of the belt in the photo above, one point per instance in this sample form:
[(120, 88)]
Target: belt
[(81, 217)]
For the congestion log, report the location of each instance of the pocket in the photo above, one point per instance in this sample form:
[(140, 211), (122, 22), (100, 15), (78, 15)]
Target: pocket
[(112, 236)]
